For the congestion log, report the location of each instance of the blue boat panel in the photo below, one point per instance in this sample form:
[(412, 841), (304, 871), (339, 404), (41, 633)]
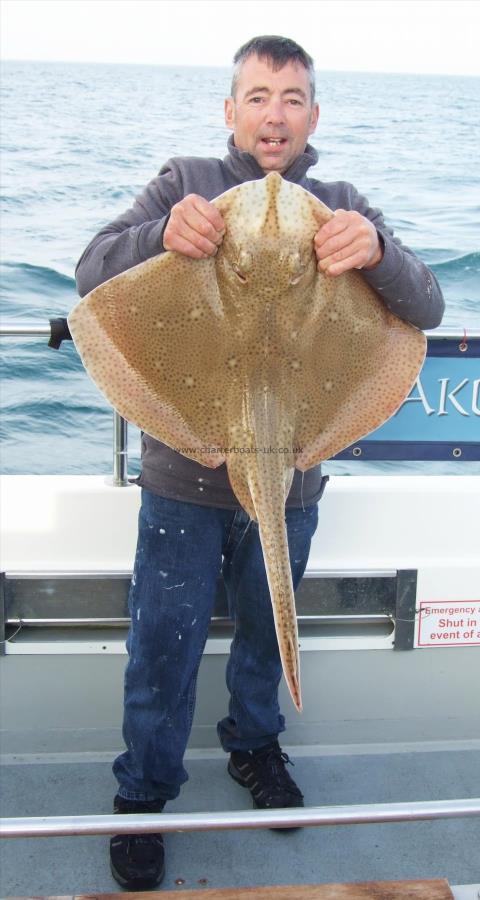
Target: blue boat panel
[(440, 419), (412, 451)]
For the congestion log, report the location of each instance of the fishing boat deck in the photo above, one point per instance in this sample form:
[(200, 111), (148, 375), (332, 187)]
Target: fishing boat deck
[(82, 784), (383, 722)]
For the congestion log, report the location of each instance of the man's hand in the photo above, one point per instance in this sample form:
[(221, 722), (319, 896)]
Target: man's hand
[(348, 241), (195, 228)]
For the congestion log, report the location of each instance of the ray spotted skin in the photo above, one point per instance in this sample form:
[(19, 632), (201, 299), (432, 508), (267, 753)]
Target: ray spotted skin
[(254, 358)]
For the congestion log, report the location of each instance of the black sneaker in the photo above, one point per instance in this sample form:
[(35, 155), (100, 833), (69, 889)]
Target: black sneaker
[(137, 861), (263, 772)]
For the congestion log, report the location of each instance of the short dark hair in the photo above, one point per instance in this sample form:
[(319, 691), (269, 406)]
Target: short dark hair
[(278, 50)]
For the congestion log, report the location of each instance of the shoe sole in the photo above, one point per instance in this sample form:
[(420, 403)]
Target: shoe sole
[(138, 884)]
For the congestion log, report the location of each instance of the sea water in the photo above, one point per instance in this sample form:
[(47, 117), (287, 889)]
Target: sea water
[(79, 141)]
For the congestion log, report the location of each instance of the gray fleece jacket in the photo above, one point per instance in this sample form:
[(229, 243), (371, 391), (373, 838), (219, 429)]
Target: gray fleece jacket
[(406, 286)]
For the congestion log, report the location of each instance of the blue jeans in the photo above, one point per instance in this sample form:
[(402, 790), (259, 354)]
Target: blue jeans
[(177, 565)]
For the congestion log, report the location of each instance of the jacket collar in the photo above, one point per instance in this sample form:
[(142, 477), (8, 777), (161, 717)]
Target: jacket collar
[(244, 166)]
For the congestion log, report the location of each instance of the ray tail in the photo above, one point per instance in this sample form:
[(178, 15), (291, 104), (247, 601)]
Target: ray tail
[(261, 479)]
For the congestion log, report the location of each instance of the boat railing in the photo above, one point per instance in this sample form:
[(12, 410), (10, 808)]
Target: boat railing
[(360, 814)]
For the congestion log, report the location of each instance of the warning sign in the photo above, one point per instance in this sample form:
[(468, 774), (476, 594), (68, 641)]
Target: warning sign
[(448, 623)]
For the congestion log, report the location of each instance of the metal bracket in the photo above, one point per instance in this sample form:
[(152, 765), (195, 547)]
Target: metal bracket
[(406, 598), (3, 613)]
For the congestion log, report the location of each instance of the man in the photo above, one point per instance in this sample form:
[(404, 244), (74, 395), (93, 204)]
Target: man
[(189, 518)]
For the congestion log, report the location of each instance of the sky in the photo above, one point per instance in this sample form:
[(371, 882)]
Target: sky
[(414, 36)]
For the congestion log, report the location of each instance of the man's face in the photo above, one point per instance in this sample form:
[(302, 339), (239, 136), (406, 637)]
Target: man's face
[(272, 115)]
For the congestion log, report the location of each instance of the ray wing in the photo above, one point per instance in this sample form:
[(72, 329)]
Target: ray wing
[(148, 337), (359, 362)]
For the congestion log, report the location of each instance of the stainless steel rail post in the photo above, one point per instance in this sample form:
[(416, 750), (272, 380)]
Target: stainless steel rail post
[(209, 821), (120, 450)]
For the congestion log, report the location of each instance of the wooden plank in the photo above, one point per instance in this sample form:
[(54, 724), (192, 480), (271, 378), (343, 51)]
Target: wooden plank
[(436, 889)]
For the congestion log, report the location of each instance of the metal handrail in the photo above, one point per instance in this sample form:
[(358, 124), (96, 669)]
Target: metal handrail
[(124, 621), (18, 329), (49, 826), (69, 574)]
